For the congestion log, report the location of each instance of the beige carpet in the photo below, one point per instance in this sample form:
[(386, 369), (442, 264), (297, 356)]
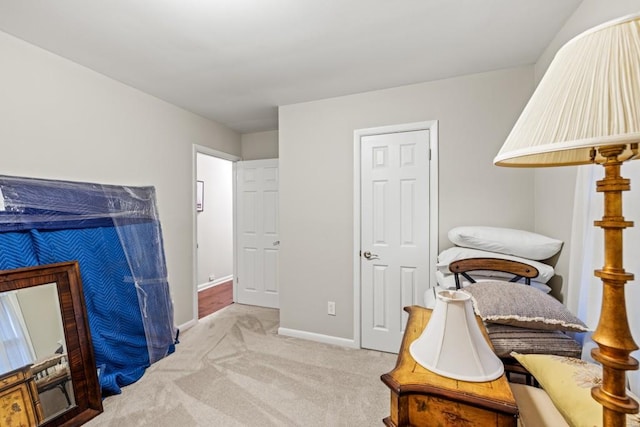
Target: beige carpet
[(232, 369)]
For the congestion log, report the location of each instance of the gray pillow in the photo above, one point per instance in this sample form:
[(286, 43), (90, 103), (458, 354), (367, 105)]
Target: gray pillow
[(516, 304), (506, 339)]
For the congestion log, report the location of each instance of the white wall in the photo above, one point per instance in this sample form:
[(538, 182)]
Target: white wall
[(41, 312), (555, 187), (475, 114), (215, 222), (60, 120), (260, 145)]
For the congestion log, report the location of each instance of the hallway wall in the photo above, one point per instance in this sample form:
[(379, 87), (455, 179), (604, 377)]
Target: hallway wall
[(215, 221)]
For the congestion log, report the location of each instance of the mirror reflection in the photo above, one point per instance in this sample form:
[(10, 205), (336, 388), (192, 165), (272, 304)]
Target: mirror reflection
[(32, 342)]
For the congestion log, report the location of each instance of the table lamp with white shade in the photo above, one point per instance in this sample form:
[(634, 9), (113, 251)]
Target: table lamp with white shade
[(452, 344)]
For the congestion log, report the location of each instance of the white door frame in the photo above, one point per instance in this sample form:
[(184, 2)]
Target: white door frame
[(432, 127), (194, 239)]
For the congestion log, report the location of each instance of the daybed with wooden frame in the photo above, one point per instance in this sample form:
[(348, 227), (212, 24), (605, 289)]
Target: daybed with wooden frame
[(558, 383), (507, 338)]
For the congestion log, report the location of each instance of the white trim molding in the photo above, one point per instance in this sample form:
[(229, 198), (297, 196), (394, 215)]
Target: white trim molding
[(187, 325), (312, 336), (207, 285)]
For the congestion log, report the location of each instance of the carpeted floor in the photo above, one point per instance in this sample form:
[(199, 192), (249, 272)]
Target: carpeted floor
[(232, 369)]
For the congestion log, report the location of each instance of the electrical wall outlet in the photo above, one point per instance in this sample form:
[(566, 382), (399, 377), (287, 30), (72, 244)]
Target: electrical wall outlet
[(331, 308)]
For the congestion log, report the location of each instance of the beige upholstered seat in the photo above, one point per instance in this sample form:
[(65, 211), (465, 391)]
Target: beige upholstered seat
[(536, 408)]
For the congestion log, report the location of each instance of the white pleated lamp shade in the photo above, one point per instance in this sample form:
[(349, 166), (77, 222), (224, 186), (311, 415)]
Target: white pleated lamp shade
[(588, 98), (452, 344)]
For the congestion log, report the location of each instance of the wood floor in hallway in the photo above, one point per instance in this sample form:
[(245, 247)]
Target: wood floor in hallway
[(214, 298)]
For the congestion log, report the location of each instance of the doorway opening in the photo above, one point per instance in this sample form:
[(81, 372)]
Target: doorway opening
[(214, 230)]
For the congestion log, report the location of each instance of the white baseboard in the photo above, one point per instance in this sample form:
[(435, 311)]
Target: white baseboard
[(207, 285), (190, 324), (312, 336)]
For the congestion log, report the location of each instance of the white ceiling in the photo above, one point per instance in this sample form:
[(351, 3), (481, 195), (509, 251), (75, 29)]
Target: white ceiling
[(235, 61)]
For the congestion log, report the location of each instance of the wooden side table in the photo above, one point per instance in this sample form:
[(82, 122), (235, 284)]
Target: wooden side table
[(420, 397), (19, 401)]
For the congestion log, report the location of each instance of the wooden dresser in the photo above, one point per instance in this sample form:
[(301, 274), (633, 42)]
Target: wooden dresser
[(420, 397), (19, 402)]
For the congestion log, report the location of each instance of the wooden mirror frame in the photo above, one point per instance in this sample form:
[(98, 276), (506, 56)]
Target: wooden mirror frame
[(84, 378)]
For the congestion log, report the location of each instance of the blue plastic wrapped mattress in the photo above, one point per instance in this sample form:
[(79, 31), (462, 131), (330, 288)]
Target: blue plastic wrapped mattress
[(114, 233)]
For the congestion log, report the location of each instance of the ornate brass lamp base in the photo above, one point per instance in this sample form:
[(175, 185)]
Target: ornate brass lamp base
[(613, 336)]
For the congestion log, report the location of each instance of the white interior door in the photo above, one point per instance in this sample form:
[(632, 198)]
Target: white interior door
[(394, 233), (257, 233)]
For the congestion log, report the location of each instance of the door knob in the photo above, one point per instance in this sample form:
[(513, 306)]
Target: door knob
[(368, 255)]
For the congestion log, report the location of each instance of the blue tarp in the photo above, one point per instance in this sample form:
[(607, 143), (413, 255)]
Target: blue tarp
[(114, 233)]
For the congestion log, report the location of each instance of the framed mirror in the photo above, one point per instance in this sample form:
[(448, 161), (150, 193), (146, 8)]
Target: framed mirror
[(48, 372)]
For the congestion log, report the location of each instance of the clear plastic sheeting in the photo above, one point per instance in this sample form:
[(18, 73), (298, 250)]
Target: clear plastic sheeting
[(39, 207), (27, 203)]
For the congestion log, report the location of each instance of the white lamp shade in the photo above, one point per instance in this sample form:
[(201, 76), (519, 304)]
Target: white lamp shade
[(587, 99), (452, 344)]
